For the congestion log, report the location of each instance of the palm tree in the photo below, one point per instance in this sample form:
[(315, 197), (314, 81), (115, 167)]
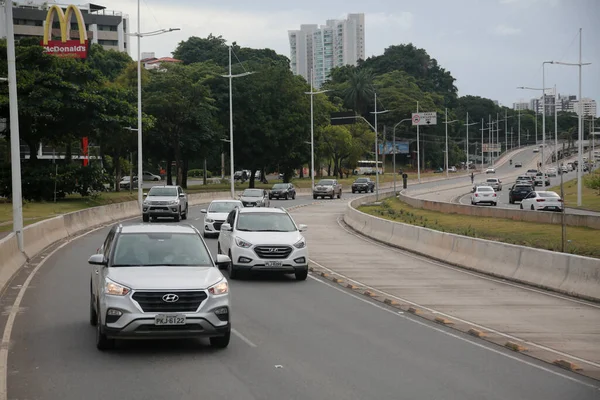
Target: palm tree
[(359, 93)]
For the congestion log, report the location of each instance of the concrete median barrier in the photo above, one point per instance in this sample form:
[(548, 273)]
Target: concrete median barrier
[(561, 272), (12, 258), (40, 235)]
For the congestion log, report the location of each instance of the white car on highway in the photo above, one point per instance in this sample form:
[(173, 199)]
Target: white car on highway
[(484, 194), (490, 171), (216, 214), (542, 201), (263, 239)]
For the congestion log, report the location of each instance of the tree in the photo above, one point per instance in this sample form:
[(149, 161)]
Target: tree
[(110, 63)]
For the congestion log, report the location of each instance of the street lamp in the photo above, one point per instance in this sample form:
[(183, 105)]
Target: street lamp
[(312, 129), (15, 153), (580, 123), (139, 36), (483, 129), (394, 149), (467, 125), (230, 76), (447, 122), (377, 148)]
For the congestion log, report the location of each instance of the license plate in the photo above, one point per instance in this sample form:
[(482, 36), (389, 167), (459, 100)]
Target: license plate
[(273, 263), (169, 319)]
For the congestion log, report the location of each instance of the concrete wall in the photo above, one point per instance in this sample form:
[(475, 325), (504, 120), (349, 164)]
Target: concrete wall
[(543, 217), (564, 273)]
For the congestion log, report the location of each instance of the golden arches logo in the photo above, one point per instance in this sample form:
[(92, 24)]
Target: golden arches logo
[(64, 19)]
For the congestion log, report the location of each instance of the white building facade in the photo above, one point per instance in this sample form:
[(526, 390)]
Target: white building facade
[(321, 48)]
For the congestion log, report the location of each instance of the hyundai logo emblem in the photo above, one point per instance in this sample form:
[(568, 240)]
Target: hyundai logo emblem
[(273, 250), (170, 298)]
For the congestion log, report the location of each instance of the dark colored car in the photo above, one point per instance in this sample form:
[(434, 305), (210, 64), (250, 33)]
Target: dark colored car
[(363, 185), (518, 165), (518, 192), (283, 191)]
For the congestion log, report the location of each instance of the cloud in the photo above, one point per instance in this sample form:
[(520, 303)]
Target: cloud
[(505, 30), (403, 20), (528, 3)]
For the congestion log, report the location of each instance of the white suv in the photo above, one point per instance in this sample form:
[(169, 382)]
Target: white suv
[(263, 239)]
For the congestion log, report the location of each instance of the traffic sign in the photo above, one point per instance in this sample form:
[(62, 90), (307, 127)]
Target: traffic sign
[(424, 118)]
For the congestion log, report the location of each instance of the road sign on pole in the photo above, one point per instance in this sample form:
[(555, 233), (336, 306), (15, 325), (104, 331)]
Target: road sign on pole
[(424, 118)]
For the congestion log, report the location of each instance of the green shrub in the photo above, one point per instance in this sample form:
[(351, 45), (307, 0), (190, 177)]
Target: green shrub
[(199, 173)]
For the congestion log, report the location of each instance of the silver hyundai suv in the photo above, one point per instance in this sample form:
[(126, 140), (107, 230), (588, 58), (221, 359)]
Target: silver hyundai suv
[(158, 281), (165, 201)]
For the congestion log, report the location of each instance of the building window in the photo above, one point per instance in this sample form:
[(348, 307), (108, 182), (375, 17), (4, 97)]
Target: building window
[(108, 42)]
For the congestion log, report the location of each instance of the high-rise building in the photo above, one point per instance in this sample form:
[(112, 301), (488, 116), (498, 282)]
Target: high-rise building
[(104, 27), (588, 106), (321, 48), (520, 106)]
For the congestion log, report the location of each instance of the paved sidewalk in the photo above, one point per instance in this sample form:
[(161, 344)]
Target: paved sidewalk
[(550, 326)]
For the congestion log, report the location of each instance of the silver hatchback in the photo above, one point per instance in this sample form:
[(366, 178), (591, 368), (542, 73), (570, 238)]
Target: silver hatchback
[(158, 281)]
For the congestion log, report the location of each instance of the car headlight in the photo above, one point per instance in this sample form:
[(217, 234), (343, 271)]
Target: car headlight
[(242, 243), (115, 289), (220, 288), (209, 220), (173, 202), (300, 244)]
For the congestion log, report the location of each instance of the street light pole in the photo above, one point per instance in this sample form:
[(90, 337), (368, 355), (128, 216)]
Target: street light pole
[(447, 155), (15, 150), (418, 151), (467, 125), (377, 149), (312, 128), (231, 155), (394, 149), (140, 171)]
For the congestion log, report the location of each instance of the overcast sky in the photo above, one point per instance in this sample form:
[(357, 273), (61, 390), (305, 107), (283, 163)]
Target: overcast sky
[(489, 46)]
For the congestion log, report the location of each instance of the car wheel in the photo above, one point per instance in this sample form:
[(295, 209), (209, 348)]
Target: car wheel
[(93, 315), (353, 191), (184, 216), (339, 195), (521, 206), (301, 275), (372, 190), (102, 342), (178, 216), (331, 197), (219, 251), (220, 342), (314, 197), (532, 208), (494, 204), (233, 272), (156, 179), (285, 197), (294, 196), (270, 197), (146, 218)]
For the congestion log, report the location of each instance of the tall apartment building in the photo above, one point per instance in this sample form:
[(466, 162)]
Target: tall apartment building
[(520, 106), (321, 48), (568, 103), (104, 27), (588, 106)]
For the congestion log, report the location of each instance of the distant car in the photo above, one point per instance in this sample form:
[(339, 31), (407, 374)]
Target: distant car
[(452, 169), (490, 171), (495, 183), (518, 192), (216, 214), (126, 182), (538, 180), (327, 188), (165, 201), (149, 176), (282, 191), (363, 185), (531, 172), (536, 150), (484, 194), (518, 165), (438, 171), (542, 201), (255, 198)]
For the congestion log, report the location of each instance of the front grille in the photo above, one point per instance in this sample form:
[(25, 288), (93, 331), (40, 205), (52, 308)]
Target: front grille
[(273, 252), (170, 328), (159, 208), (158, 203), (153, 301)]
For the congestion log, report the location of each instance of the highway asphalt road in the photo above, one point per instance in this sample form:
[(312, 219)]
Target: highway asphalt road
[(293, 340)]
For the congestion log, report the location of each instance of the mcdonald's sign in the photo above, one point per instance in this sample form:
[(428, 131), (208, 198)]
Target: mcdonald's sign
[(65, 47)]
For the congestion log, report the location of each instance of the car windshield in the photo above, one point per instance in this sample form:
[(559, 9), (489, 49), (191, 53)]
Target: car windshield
[(252, 193), (325, 182), (548, 194), (528, 188), (362, 180), (265, 222), (484, 189), (280, 186), (492, 180), (160, 249), (222, 207), (162, 191)]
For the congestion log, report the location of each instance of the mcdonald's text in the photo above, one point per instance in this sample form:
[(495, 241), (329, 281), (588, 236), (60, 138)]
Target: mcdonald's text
[(70, 48)]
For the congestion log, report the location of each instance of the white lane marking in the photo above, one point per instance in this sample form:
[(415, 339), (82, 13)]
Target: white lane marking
[(467, 340), (13, 314), (244, 338)]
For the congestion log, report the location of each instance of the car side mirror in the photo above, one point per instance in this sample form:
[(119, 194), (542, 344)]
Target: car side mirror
[(203, 211), (302, 227), (182, 195), (222, 260), (98, 259), (226, 227)]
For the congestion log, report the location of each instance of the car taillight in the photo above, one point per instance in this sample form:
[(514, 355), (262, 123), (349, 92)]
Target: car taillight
[(538, 200), (494, 194), (476, 195)]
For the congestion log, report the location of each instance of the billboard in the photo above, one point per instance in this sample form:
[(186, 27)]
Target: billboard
[(492, 148), (401, 148), (65, 47)]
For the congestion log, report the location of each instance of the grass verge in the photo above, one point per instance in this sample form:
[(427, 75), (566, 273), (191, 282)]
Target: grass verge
[(583, 241), (590, 198)]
